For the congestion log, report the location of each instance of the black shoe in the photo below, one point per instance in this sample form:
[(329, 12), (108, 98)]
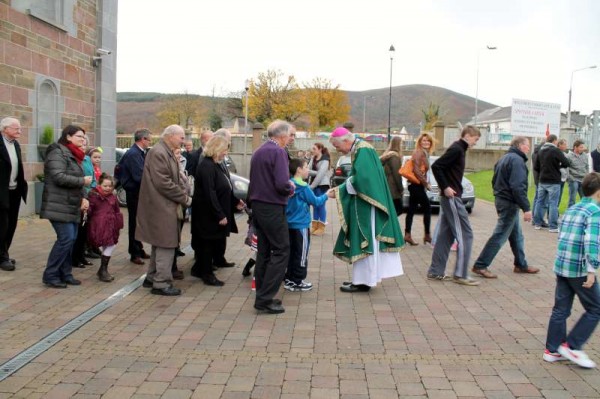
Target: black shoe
[(14, 262), (213, 280), (355, 288), (55, 284), (86, 262), (168, 291), (147, 283), (93, 255), (177, 274), (79, 265), (179, 252), (72, 281), (7, 265), (347, 283), (226, 264), (272, 308)]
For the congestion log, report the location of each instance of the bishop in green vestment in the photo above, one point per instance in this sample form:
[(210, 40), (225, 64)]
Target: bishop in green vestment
[(370, 237)]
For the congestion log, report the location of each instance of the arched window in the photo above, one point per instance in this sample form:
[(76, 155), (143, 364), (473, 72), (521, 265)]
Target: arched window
[(47, 112)]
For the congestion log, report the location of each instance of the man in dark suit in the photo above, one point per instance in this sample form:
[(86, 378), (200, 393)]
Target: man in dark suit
[(194, 157), (13, 187), (131, 170)]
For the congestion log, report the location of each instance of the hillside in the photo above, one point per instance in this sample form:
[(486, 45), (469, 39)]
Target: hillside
[(135, 110)]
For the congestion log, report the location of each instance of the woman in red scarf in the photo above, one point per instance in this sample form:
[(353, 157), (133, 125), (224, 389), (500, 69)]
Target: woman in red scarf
[(62, 202)]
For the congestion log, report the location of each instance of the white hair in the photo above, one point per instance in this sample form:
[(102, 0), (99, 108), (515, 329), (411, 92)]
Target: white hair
[(346, 137), (280, 128), (171, 130), (6, 122)]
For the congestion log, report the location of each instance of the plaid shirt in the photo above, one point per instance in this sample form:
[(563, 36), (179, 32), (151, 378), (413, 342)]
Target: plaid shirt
[(579, 240)]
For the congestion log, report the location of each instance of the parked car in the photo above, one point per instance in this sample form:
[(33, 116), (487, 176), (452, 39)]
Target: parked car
[(468, 195), (343, 168)]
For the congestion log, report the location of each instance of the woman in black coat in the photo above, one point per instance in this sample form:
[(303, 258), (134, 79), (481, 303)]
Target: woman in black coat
[(213, 208), (62, 202)]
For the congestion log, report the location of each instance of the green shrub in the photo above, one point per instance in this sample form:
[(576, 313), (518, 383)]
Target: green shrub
[(47, 135)]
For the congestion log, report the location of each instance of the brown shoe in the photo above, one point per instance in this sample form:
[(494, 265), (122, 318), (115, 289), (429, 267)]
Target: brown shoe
[(137, 261), (529, 270), (484, 273), (408, 239), (177, 274)]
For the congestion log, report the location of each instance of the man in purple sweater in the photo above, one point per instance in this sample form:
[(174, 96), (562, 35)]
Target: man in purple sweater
[(270, 188)]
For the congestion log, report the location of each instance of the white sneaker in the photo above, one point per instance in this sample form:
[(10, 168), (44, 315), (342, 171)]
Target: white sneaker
[(537, 227), (578, 357), (552, 357), (307, 284), (553, 230)]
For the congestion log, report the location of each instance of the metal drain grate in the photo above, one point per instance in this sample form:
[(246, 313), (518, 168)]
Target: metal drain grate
[(57, 335)]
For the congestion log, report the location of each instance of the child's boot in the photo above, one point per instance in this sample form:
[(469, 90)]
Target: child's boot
[(103, 274), (320, 230), (249, 265), (314, 226)]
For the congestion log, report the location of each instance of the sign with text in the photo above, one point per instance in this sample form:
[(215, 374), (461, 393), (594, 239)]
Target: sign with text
[(534, 119)]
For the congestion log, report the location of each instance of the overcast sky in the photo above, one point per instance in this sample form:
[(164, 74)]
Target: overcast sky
[(203, 45)]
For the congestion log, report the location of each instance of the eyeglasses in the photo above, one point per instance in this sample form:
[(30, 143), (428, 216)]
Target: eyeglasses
[(79, 136)]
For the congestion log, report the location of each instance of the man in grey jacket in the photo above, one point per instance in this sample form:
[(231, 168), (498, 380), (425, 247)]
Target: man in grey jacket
[(577, 171)]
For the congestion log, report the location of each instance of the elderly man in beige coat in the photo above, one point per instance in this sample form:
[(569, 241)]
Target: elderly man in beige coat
[(161, 194)]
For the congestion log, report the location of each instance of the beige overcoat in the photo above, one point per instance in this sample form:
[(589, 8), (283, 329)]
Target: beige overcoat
[(160, 193)]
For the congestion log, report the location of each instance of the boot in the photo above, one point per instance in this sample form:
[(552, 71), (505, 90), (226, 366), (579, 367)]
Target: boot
[(249, 265), (408, 239), (320, 230), (103, 274), (427, 238), (313, 226)]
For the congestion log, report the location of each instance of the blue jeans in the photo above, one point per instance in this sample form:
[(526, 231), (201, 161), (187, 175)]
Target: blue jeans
[(508, 227), (547, 195), (320, 212), (59, 267), (566, 289), (574, 189)]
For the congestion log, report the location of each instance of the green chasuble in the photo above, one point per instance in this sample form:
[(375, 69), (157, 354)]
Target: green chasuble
[(368, 179)]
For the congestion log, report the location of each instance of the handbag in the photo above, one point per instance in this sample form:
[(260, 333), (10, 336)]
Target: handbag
[(406, 171)]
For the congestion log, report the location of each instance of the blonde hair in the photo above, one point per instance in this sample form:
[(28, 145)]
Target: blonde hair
[(215, 146), (425, 136)]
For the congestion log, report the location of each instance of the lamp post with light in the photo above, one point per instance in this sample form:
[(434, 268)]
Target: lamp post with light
[(477, 81), (247, 90), (389, 132), (571, 90)]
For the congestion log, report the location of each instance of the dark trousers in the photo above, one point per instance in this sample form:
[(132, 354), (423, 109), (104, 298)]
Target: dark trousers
[(418, 196), (204, 252), (566, 289), (58, 266), (79, 246), (136, 248), (298, 262), (273, 250), (8, 223), (220, 245)]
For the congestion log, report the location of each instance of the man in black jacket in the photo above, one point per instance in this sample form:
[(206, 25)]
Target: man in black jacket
[(131, 171), (454, 220), (510, 183), (13, 187), (548, 163)]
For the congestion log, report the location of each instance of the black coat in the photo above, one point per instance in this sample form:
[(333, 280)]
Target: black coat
[(213, 200), (5, 169), (132, 169), (63, 186)]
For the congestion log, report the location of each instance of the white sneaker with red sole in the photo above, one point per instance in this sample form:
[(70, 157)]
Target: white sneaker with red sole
[(578, 357), (552, 357)]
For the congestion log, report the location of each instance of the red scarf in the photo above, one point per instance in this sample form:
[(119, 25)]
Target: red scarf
[(76, 151), (101, 192)]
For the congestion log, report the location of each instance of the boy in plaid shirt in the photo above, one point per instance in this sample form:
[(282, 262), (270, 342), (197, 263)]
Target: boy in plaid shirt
[(577, 259)]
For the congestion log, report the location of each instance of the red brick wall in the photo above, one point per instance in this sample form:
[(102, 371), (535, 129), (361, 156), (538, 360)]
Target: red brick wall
[(30, 48)]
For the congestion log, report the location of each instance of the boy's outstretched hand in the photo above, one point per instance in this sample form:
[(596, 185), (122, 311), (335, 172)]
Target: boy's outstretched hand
[(591, 277), (331, 193)]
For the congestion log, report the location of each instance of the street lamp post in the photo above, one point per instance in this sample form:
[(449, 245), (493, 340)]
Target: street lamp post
[(477, 81), (246, 89), (571, 90), (392, 49)]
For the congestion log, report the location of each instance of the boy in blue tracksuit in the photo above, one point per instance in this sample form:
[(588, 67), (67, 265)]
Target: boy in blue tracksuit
[(299, 220)]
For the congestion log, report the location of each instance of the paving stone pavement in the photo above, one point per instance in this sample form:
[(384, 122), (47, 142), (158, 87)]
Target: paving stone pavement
[(407, 338)]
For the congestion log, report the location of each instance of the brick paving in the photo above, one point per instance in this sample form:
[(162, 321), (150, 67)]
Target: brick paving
[(408, 338)]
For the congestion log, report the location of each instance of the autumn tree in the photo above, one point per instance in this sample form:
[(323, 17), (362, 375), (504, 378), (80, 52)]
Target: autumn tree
[(274, 96), (325, 104), (184, 110), (431, 115)]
